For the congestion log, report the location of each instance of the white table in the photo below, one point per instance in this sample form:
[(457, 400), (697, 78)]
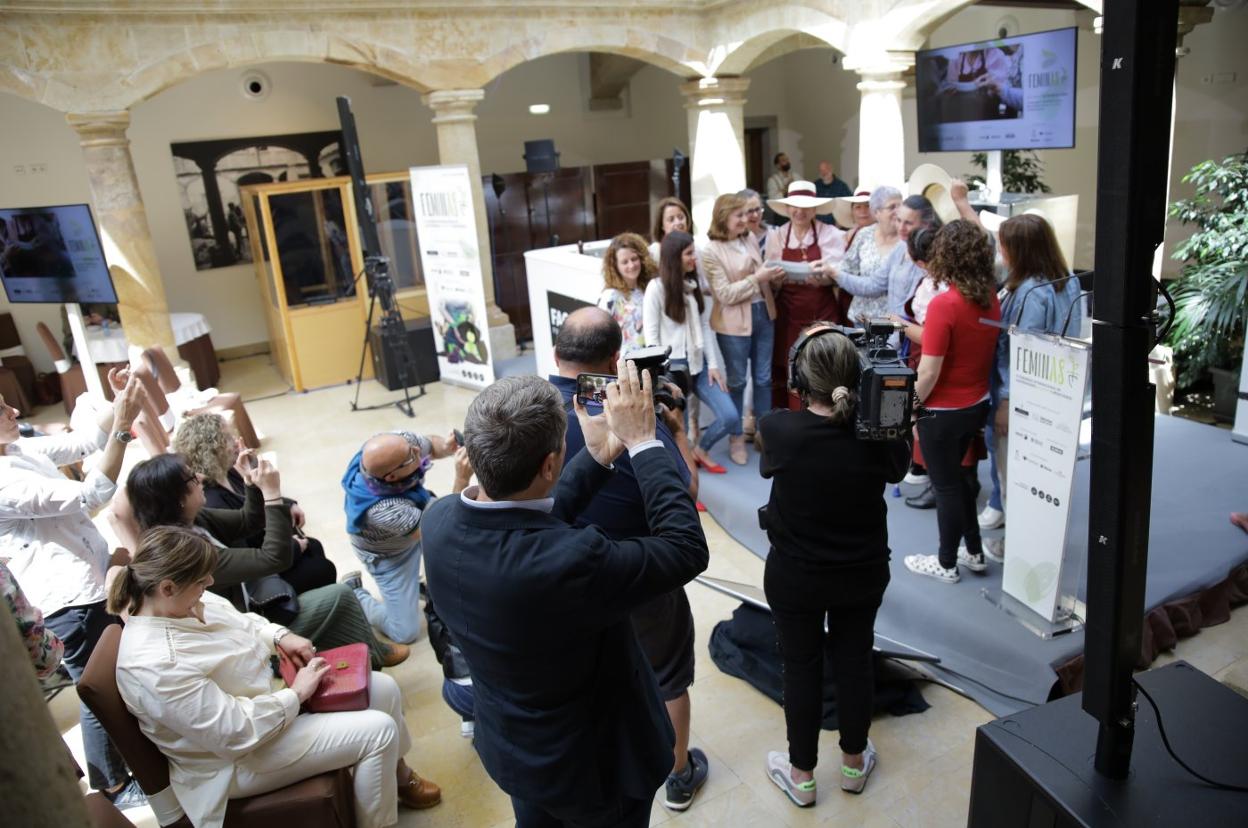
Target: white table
[(110, 345)]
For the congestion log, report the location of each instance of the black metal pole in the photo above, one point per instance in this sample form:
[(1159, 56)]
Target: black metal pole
[(1137, 80)]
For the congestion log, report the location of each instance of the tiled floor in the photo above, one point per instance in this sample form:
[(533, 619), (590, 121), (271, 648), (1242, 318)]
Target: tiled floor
[(925, 760)]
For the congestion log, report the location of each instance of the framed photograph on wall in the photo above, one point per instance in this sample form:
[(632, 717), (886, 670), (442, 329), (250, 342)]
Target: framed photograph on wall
[(210, 173)]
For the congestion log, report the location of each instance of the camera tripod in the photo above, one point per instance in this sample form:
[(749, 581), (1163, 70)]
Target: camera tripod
[(393, 335)]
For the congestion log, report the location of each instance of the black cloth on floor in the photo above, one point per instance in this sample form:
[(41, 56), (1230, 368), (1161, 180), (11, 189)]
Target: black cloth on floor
[(745, 646)]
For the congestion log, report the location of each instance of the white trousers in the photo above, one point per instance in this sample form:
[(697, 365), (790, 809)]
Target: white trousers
[(371, 741)]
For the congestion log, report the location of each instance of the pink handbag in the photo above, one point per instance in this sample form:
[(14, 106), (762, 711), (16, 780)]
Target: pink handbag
[(344, 687)]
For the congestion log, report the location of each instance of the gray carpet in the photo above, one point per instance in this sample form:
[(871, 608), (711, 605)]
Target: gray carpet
[(1200, 476)]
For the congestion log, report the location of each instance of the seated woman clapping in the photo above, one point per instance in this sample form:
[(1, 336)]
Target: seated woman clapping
[(195, 672), (164, 491)]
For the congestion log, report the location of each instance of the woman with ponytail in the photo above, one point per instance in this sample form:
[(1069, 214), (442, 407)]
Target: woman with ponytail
[(827, 524), (195, 673)]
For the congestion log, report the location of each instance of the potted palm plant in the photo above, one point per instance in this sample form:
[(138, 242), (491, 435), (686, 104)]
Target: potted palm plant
[(1211, 294)]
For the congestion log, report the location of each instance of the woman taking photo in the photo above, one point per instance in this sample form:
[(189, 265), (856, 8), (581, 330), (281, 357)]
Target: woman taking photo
[(744, 309), (1035, 298), (626, 270), (864, 271), (163, 491), (678, 315), (952, 384), (802, 240), (211, 450), (195, 672), (827, 524)]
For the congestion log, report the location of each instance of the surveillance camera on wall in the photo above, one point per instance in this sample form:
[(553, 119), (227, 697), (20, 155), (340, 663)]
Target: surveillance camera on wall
[(255, 85)]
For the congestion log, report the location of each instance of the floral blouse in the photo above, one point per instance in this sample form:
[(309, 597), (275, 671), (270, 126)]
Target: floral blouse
[(44, 647), (626, 309), (865, 259)]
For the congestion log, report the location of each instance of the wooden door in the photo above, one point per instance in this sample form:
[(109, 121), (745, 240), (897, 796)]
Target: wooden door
[(509, 237), (622, 198), (756, 165)]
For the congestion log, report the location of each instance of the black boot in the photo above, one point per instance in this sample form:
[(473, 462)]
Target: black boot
[(925, 499)]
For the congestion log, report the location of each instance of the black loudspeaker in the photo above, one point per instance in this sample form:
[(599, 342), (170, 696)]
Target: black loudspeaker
[(420, 340), (540, 156), (1034, 769)]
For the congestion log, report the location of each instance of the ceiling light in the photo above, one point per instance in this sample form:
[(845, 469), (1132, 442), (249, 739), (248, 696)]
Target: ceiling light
[(539, 109)]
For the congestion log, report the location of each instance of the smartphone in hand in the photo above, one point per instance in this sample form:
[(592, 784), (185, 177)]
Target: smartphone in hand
[(459, 437), (591, 389)]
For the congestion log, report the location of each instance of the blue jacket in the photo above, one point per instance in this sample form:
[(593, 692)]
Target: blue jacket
[(1036, 305), (568, 710)]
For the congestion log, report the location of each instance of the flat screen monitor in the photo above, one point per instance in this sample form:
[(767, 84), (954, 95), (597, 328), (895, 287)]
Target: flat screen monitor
[(53, 254), (1007, 94)]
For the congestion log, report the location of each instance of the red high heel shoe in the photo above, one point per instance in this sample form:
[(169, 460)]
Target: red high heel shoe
[(710, 466)]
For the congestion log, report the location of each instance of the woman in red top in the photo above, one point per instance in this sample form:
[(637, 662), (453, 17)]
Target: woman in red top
[(958, 354)]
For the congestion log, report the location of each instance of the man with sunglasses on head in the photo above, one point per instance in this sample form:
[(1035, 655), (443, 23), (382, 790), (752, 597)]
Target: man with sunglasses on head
[(385, 498)]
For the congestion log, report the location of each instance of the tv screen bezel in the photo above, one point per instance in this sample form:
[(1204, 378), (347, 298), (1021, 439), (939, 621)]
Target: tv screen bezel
[(918, 56), (95, 230)]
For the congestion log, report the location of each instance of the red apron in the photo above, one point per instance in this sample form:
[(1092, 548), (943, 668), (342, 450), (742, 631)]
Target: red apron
[(797, 306)]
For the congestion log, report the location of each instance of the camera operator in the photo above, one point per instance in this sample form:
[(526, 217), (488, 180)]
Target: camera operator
[(589, 342), (827, 524), (569, 718)]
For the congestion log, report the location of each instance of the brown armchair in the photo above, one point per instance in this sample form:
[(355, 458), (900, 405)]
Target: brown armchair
[(73, 383), (228, 404), (324, 801)]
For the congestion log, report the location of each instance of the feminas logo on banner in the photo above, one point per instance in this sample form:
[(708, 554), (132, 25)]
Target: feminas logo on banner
[(1051, 369)]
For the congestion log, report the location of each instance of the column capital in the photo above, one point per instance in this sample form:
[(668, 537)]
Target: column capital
[(701, 93), (454, 105), (101, 129), (884, 65)]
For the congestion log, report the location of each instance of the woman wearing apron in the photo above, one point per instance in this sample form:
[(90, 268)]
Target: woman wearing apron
[(813, 299)]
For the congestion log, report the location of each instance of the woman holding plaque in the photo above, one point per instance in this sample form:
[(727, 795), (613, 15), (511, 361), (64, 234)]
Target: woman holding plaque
[(809, 249)]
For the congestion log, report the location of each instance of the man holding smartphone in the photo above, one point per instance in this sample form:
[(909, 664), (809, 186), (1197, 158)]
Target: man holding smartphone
[(589, 343), (569, 719)]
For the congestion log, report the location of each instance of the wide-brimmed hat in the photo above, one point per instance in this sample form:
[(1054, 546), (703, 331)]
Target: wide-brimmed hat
[(992, 221), (843, 207), (801, 194), (933, 182)]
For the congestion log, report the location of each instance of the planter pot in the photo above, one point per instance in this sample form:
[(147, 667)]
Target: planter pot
[(1225, 393)]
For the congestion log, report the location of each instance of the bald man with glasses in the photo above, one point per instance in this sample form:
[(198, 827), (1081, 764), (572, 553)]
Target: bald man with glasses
[(385, 499)]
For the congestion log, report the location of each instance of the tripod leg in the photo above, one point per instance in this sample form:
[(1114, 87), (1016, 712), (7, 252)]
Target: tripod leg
[(359, 375)]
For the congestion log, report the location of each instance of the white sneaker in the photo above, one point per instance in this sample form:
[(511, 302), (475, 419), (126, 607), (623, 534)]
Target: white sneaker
[(994, 549), (991, 518), (975, 563), (780, 771), (916, 479), (929, 565), (853, 780)]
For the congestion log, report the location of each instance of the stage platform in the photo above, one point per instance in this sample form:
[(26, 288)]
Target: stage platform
[(1199, 476)]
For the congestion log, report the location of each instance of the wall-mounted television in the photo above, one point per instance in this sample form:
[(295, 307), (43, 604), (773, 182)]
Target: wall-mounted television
[(53, 254), (1005, 94)]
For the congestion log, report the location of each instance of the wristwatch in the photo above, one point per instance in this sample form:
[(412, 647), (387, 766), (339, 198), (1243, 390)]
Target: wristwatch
[(123, 437)]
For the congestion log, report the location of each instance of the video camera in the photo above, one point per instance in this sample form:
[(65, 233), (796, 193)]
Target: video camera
[(885, 383), (591, 388)]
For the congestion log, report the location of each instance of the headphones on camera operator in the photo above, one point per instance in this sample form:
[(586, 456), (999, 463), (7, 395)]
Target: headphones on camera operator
[(884, 384)]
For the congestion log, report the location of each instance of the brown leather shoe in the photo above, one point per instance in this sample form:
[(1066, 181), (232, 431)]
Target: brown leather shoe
[(396, 655), (736, 450), (419, 793)]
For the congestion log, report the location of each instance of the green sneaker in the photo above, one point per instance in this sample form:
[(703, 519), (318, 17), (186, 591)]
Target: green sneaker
[(854, 780), (781, 772)]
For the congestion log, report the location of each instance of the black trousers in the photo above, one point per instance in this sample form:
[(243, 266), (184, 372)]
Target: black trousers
[(627, 813), (311, 568), (945, 436), (802, 594)]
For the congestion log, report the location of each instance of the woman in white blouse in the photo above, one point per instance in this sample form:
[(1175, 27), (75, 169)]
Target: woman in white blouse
[(676, 314), (195, 672)]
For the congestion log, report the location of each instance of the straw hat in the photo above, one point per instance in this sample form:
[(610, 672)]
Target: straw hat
[(933, 182), (843, 207), (801, 194), (992, 221)]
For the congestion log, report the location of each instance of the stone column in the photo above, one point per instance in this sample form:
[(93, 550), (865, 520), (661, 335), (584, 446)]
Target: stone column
[(123, 228), (716, 108), (881, 137), (457, 144)]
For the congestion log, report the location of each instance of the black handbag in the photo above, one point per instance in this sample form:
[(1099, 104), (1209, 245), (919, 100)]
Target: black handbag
[(272, 597)]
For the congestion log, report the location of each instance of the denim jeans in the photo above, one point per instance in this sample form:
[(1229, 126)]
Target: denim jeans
[(460, 698), (397, 614), (746, 355), (727, 415), (80, 628)]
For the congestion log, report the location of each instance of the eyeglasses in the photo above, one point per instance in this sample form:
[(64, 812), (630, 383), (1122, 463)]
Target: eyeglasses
[(192, 478), (754, 210), (412, 457)]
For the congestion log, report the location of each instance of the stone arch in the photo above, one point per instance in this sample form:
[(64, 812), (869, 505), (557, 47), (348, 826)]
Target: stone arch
[(914, 22), (745, 40), (654, 49)]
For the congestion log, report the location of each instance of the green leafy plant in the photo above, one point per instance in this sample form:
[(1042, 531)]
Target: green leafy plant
[(1211, 294), (1020, 171)]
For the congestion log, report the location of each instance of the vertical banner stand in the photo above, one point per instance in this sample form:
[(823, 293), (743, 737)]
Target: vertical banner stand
[(1048, 383)]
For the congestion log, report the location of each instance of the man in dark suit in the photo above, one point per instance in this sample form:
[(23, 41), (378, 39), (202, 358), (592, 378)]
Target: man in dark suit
[(589, 342), (569, 718)]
